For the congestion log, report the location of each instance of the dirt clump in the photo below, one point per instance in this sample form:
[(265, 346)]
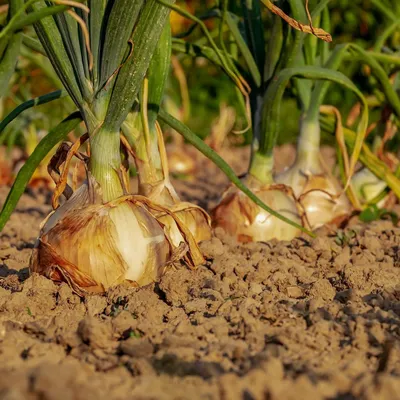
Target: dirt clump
[(306, 319)]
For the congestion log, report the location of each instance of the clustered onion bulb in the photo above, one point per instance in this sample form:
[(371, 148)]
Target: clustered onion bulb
[(94, 246)]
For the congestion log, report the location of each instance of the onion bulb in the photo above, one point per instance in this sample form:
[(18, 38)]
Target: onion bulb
[(95, 246), (318, 192), (193, 217), (367, 186), (241, 218)]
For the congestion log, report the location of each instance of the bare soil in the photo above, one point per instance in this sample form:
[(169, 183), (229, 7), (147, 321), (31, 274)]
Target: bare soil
[(306, 319)]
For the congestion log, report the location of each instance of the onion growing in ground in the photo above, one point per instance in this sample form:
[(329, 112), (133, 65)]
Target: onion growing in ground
[(90, 245), (102, 236), (247, 222), (318, 191), (240, 217)]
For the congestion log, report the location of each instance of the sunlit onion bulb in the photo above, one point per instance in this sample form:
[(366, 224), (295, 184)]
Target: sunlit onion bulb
[(317, 192), (96, 246), (243, 219), (193, 217)]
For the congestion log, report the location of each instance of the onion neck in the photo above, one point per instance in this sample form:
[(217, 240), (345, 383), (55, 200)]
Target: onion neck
[(105, 162), (148, 162), (262, 161), (308, 145), (261, 167), (153, 179)]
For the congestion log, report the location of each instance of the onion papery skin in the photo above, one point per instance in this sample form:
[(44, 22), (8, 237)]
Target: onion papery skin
[(193, 217), (97, 246), (319, 194), (242, 219)]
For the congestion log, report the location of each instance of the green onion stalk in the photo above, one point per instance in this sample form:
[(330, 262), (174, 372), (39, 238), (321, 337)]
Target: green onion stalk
[(9, 46), (102, 235)]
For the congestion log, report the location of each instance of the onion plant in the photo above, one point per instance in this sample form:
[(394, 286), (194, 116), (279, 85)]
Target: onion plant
[(101, 52), (318, 191), (371, 185), (270, 67), (112, 58)]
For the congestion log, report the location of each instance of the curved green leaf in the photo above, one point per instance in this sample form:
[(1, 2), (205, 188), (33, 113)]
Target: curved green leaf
[(273, 98), (367, 157), (46, 98), (24, 175), (380, 74)]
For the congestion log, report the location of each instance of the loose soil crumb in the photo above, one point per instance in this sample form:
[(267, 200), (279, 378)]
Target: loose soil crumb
[(306, 319)]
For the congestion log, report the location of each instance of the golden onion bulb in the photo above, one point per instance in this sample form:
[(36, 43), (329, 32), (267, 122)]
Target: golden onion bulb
[(190, 215), (241, 218), (368, 186), (95, 246), (193, 217), (319, 193)]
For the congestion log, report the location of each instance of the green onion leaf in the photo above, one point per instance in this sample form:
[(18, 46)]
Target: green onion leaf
[(24, 175), (46, 98)]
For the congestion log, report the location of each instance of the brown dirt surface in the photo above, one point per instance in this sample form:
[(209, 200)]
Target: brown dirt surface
[(306, 319)]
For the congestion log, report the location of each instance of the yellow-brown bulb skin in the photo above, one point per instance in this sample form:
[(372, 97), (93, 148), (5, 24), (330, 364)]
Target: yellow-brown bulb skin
[(242, 219), (98, 246), (319, 194)]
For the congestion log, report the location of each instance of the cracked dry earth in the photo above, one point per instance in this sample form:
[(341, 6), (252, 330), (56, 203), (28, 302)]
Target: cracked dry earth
[(306, 319)]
